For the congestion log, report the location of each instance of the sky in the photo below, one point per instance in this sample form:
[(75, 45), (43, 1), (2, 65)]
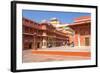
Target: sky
[(63, 17)]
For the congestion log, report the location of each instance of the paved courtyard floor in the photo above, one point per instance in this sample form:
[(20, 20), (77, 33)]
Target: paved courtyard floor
[(29, 56)]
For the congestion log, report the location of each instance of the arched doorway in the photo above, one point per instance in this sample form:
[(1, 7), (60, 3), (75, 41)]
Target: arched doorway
[(30, 45)]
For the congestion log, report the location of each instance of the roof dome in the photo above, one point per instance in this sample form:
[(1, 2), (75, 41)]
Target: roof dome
[(54, 19)]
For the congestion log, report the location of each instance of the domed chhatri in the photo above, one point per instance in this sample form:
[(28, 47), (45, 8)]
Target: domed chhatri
[(54, 21)]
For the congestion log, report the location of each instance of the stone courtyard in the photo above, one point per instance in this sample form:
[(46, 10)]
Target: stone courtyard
[(30, 55)]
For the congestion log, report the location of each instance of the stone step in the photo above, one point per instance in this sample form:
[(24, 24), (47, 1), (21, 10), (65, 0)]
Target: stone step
[(64, 53)]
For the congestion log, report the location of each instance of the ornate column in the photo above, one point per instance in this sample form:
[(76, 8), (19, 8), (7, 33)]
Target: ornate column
[(44, 41)]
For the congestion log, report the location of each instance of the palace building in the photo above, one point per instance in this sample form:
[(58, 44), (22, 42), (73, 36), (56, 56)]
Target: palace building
[(42, 35), (79, 32), (82, 31), (53, 34)]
